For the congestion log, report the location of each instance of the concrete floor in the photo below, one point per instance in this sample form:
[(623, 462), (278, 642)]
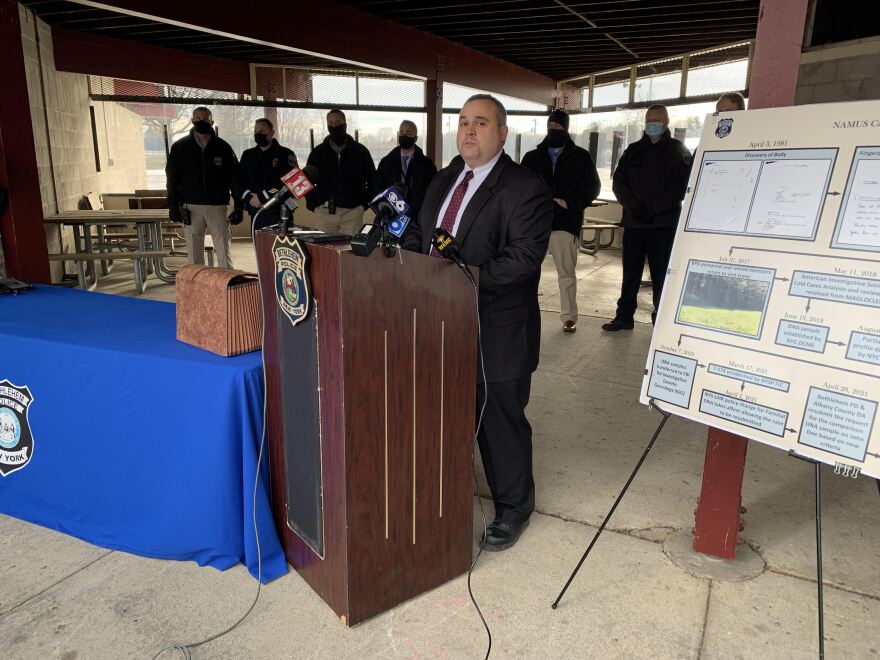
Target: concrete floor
[(62, 598)]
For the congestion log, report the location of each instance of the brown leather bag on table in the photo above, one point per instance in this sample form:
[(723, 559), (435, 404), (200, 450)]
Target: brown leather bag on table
[(218, 309)]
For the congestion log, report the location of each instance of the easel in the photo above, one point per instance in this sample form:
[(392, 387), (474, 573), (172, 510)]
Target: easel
[(845, 470), (616, 502)]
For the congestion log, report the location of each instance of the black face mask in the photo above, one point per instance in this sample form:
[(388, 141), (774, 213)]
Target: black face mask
[(337, 133), (261, 139), (406, 142), (556, 138), (202, 127)]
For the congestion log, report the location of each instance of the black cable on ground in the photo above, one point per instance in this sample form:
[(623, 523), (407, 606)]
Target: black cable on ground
[(474, 468), (184, 648)]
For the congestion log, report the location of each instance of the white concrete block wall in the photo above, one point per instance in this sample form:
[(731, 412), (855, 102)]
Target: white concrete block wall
[(847, 71), (63, 99)]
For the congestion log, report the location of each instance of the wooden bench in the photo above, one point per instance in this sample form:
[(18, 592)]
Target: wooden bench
[(597, 225), (81, 258)]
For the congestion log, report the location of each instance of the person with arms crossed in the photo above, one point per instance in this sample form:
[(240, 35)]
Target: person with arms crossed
[(260, 171), (501, 214), (199, 175), (571, 175)]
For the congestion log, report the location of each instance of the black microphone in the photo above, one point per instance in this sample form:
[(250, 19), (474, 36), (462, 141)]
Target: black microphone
[(390, 203), (448, 248)]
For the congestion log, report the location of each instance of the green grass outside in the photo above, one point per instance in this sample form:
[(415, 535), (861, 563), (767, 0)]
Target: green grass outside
[(732, 320)]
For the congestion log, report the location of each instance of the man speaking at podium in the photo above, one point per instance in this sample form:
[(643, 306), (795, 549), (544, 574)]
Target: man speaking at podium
[(501, 214)]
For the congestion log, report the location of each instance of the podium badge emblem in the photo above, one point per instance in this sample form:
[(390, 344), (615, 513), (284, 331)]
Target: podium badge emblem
[(16, 439), (724, 128), (292, 290)]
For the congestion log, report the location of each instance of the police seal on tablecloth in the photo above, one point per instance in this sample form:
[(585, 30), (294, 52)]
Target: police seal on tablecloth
[(16, 439), (292, 290)]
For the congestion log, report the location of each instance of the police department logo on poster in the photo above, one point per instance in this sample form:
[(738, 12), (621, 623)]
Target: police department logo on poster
[(724, 128), (291, 279), (16, 439)]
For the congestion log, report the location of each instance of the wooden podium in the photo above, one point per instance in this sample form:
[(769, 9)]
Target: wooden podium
[(371, 404)]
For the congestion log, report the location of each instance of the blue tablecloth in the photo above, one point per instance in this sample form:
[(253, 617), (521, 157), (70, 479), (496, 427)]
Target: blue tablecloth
[(141, 442)]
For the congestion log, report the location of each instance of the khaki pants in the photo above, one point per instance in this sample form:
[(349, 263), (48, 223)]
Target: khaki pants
[(563, 247), (344, 221), (212, 219)]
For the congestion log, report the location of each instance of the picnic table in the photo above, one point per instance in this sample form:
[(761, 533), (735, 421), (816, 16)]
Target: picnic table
[(145, 247)]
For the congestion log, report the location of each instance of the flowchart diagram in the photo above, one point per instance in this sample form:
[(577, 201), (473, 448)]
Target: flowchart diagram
[(769, 325)]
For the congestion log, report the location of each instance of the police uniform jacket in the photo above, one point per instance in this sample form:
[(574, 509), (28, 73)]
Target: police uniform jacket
[(259, 172), (200, 176), (419, 173)]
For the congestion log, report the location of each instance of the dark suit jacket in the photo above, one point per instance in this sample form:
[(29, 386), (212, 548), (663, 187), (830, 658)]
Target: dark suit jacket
[(418, 175), (504, 232)]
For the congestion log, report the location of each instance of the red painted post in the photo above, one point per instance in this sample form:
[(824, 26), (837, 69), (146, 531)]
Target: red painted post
[(21, 227), (772, 84)]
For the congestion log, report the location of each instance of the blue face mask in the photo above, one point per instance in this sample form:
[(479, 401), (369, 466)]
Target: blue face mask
[(654, 129)]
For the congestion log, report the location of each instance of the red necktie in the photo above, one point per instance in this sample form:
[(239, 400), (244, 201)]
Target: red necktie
[(454, 204)]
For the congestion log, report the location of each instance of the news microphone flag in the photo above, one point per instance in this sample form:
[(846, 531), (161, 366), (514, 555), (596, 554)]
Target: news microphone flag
[(397, 226), (297, 183)]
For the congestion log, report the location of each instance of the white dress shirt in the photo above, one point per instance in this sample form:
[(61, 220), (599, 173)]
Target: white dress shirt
[(480, 174)]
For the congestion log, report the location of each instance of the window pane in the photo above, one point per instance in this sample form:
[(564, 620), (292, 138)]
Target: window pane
[(613, 94), (628, 127), (454, 96), (655, 88), (717, 79), (391, 91), (335, 90)]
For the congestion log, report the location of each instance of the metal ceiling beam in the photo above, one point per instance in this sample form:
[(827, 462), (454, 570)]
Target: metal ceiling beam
[(526, 20), (593, 25), (648, 28), (98, 55), (351, 36)]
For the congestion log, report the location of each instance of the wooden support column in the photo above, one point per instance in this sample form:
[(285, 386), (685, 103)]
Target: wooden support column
[(21, 227), (772, 83)]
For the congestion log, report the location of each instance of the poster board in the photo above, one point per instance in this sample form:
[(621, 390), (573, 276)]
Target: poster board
[(769, 326)]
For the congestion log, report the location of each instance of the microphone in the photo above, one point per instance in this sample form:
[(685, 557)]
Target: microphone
[(390, 203), (390, 207), (297, 182), (448, 248)]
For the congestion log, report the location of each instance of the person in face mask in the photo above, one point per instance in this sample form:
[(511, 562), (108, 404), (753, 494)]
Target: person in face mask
[(409, 165), (199, 174), (260, 171), (347, 179), (650, 182), (574, 183)]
